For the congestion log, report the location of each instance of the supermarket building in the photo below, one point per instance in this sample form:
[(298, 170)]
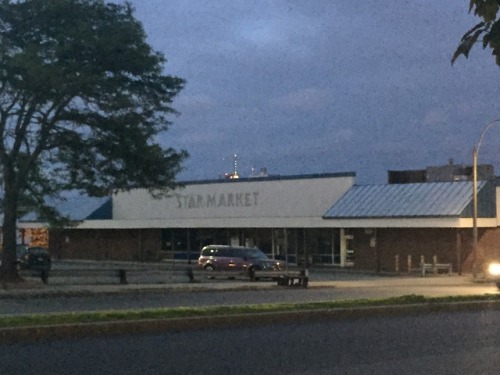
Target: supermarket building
[(318, 219)]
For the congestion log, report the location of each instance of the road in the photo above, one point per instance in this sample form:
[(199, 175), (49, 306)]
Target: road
[(439, 343), (323, 291)]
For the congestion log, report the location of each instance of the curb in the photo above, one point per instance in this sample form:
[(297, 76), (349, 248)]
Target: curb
[(75, 331), (93, 290)]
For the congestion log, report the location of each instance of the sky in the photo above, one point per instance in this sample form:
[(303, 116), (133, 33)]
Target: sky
[(324, 86)]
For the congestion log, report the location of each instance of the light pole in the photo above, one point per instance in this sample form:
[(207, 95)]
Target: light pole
[(475, 153), (474, 211)]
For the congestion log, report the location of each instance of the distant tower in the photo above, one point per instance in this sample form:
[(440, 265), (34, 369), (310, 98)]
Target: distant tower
[(235, 163), (234, 173)]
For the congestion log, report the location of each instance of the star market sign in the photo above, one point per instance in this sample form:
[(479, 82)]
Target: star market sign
[(192, 201)]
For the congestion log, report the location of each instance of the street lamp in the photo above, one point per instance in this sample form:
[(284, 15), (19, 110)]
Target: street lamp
[(475, 152)]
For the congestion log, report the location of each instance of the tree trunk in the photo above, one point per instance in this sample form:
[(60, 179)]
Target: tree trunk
[(8, 269)]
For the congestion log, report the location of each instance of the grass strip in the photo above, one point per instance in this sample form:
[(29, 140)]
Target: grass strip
[(33, 320)]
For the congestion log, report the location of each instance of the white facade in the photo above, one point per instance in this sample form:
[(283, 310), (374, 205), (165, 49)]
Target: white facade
[(285, 202)]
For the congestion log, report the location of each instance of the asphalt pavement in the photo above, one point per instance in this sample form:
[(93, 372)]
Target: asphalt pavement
[(83, 278)]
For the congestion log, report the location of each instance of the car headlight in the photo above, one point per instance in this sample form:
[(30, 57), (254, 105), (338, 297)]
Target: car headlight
[(494, 269)]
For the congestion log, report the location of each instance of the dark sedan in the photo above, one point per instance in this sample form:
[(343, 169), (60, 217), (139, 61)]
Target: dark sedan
[(34, 258)]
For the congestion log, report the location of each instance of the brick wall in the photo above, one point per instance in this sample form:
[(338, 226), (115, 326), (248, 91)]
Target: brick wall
[(449, 245), (106, 244), (403, 242), (488, 247)]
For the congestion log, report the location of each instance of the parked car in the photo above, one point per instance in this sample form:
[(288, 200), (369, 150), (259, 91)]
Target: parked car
[(34, 258), (227, 258)]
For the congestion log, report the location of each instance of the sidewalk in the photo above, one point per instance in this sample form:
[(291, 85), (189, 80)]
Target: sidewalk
[(33, 287)]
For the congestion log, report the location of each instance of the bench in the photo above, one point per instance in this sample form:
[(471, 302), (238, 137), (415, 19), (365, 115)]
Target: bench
[(435, 268), (283, 278)]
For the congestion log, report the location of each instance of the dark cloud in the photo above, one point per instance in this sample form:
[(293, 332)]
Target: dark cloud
[(323, 86)]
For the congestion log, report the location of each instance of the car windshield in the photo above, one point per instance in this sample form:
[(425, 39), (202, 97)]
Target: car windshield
[(255, 254), (20, 250), (37, 250)]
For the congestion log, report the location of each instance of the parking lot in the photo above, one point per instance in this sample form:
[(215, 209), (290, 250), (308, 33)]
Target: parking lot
[(96, 285)]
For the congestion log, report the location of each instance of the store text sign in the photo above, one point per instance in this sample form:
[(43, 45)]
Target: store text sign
[(192, 201)]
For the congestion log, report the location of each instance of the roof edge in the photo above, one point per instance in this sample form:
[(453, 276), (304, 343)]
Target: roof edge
[(270, 178)]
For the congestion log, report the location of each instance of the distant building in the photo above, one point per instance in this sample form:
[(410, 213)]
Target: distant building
[(444, 173)]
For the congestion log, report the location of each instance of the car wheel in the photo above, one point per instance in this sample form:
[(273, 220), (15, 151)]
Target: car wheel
[(251, 271), (209, 268)]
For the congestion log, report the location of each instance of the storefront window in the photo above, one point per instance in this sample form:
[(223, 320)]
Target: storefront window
[(320, 246)]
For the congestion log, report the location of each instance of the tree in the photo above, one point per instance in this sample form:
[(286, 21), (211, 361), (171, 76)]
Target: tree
[(488, 29), (82, 100)]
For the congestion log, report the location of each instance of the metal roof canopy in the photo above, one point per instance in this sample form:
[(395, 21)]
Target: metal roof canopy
[(419, 200)]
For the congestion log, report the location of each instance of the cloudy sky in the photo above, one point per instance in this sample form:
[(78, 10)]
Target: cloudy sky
[(317, 86)]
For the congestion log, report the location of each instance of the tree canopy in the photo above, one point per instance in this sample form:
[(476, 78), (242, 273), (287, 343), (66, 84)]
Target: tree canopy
[(488, 29), (83, 97)]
